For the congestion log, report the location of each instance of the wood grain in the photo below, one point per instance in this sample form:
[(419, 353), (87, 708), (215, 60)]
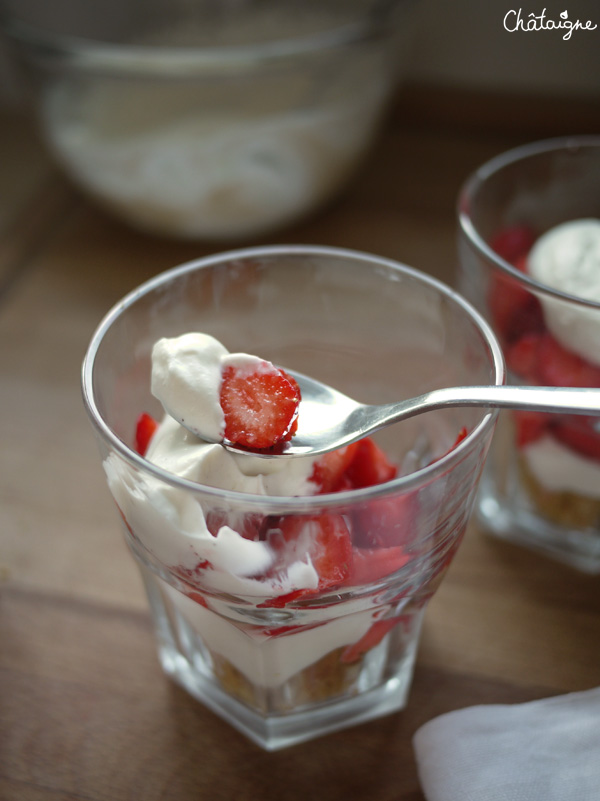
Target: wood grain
[(85, 711)]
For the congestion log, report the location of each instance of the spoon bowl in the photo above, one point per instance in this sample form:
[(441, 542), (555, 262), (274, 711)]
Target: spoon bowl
[(328, 419)]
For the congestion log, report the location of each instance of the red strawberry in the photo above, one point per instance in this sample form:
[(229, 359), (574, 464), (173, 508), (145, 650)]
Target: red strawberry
[(530, 426), (369, 465), (329, 471), (513, 308), (260, 405), (385, 522), (513, 242), (324, 539), (523, 356), (369, 640), (144, 431), (560, 367), (459, 438), (372, 564), (579, 434)]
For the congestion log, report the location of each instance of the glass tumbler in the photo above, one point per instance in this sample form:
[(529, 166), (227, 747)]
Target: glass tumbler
[(284, 664), (541, 486)]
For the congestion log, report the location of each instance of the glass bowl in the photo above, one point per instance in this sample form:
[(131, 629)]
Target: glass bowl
[(210, 120)]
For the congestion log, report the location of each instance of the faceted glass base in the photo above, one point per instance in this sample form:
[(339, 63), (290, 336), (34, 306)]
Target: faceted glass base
[(323, 697), (506, 512)]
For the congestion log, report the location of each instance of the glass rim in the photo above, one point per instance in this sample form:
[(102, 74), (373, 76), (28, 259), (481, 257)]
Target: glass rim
[(280, 502), (168, 60), (490, 168)]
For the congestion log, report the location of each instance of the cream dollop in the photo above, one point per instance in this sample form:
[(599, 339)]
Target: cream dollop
[(567, 258), (186, 379), (558, 469)]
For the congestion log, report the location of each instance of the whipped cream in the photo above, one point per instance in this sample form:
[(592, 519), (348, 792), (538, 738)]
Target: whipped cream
[(171, 522), (270, 662), (186, 161), (567, 258), (558, 469), (186, 378)]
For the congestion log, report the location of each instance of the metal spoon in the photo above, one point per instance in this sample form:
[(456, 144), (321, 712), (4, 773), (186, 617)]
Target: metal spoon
[(329, 419)]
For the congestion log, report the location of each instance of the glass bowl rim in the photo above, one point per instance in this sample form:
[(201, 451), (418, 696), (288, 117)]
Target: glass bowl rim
[(285, 503), (168, 60), (490, 168)]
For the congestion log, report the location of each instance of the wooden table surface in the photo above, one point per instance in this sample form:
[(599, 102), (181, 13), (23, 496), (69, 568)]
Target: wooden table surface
[(85, 711)]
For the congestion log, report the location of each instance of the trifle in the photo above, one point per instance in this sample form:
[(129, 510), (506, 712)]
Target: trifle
[(288, 594), (530, 257)]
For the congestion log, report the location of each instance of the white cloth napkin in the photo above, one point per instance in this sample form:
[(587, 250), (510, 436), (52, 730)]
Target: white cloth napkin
[(545, 750)]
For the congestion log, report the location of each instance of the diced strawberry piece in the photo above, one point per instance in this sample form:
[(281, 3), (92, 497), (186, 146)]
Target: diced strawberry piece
[(513, 308), (279, 601), (369, 465), (196, 596), (523, 356), (579, 434), (323, 539), (372, 564), (326, 541), (385, 522), (513, 242), (459, 438), (188, 577), (530, 426), (369, 640), (144, 431), (260, 405), (560, 367), (329, 471)]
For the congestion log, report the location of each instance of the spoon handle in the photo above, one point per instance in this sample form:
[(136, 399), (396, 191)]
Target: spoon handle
[(564, 400)]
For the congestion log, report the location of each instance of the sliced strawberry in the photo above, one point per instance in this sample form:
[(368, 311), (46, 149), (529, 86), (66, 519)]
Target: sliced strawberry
[(513, 308), (580, 434), (523, 356), (385, 522), (369, 640), (260, 405), (530, 426), (372, 564), (144, 431), (324, 540), (559, 367), (329, 471), (513, 242), (463, 432), (369, 465)]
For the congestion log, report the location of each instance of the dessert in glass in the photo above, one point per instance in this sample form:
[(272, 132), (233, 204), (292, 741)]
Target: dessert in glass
[(288, 594), (530, 260)]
